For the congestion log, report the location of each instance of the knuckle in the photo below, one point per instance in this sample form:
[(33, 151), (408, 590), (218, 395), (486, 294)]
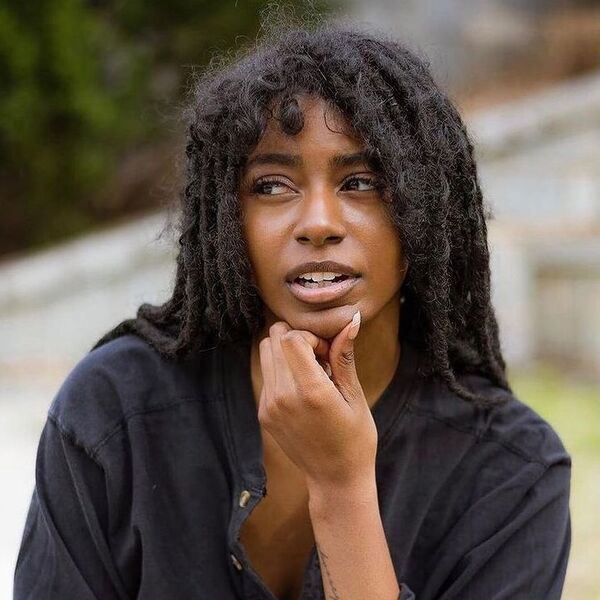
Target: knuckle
[(278, 328), (279, 401), (267, 412), (346, 358), (292, 337)]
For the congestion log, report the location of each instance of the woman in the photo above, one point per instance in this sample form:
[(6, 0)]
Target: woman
[(321, 409)]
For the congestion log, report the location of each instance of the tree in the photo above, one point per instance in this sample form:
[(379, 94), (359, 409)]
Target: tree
[(81, 83)]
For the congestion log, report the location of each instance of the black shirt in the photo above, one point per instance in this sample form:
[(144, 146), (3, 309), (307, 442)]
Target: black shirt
[(147, 468)]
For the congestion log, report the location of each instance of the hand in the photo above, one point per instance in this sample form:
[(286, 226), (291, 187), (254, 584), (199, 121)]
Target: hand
[(323, 424)]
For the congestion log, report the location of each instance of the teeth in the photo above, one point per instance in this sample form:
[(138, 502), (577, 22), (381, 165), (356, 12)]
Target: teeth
[(315, 284), (328, 276)]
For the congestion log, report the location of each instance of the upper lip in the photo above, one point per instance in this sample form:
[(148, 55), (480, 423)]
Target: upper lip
[(320, 267)]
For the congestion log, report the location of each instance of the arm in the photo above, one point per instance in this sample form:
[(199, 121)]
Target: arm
[(512, 544), (326, 428), (522, 558), (353, 552), (64, 552)]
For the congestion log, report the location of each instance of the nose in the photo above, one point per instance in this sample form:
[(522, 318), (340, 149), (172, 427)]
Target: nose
[(320, 219)]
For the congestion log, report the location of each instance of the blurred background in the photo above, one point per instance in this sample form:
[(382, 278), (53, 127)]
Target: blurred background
[(91, 154)]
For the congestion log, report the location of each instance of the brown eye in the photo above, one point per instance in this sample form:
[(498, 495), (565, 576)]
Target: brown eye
[(270, 187), (362, 184)]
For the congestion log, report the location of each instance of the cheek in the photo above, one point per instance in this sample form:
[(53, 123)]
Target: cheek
[(389, 264), (261, 246)]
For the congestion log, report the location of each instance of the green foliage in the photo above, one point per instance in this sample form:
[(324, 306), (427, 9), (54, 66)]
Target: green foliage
[(572, 408), (83, 83)]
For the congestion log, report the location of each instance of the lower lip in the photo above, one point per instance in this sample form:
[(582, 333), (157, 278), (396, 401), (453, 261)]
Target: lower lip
[(323, 294)]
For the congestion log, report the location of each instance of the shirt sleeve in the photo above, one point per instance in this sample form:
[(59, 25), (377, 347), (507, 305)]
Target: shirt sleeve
[(64, 553), (522, 549)]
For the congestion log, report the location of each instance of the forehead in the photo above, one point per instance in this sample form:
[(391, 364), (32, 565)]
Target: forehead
[(323, 124)]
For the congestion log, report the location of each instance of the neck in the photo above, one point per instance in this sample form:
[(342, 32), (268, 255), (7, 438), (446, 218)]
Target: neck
[(377, 352), (376, 349)]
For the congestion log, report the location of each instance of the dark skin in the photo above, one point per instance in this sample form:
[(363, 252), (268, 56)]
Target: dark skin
[(316, 424), (318, 212)]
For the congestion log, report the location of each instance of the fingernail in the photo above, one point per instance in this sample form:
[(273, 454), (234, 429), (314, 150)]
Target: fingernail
[(353, 332)]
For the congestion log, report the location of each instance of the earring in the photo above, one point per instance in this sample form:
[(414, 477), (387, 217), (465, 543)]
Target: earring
[(402, 299)]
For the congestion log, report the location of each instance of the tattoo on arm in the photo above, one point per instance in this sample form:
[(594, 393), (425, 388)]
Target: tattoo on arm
[(323, 560)]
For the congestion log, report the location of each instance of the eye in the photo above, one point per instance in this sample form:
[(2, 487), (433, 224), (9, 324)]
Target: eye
[(362, 183), (270, 187)]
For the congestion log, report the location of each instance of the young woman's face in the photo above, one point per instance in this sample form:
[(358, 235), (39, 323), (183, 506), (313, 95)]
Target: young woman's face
[(312, 197)]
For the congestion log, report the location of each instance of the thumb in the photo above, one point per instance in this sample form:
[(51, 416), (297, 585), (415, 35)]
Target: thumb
[(341, 360)]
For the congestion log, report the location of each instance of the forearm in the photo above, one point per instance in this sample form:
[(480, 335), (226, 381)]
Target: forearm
[(352, 548)]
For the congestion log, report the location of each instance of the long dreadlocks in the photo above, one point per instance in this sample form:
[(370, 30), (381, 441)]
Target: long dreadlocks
[(423, 152)]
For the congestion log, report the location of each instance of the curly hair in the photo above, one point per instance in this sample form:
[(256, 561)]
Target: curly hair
[(421, 148)]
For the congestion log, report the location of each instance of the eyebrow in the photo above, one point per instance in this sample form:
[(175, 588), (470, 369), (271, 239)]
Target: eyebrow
[(294, 160)]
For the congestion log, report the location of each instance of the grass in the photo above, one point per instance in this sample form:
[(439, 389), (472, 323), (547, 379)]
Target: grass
[(573, 409)]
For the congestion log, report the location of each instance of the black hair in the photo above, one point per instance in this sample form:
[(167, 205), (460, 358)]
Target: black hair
[(419, 143)]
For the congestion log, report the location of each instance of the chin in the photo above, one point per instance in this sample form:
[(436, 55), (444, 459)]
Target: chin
[(325, 323)]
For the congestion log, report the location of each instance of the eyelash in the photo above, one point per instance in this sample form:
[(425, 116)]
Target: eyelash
[(372, 181)]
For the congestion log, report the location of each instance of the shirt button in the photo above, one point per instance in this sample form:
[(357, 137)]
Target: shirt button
[(244, 497), (236, 562)]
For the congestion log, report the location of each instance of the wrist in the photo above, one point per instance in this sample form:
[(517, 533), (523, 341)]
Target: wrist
[(328, 499)]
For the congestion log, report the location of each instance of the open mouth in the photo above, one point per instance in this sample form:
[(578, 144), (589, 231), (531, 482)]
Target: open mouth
[(309, 283), (318, 292)]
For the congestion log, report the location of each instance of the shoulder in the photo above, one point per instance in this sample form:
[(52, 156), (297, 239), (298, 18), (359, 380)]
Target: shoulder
[(121, 378), (510, 427), (484, 467)]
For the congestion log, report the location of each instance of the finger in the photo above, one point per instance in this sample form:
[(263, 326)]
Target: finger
[(284, 381), (320, 348), (342, 362), (319, 345), (307, 373), (266, 367)]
